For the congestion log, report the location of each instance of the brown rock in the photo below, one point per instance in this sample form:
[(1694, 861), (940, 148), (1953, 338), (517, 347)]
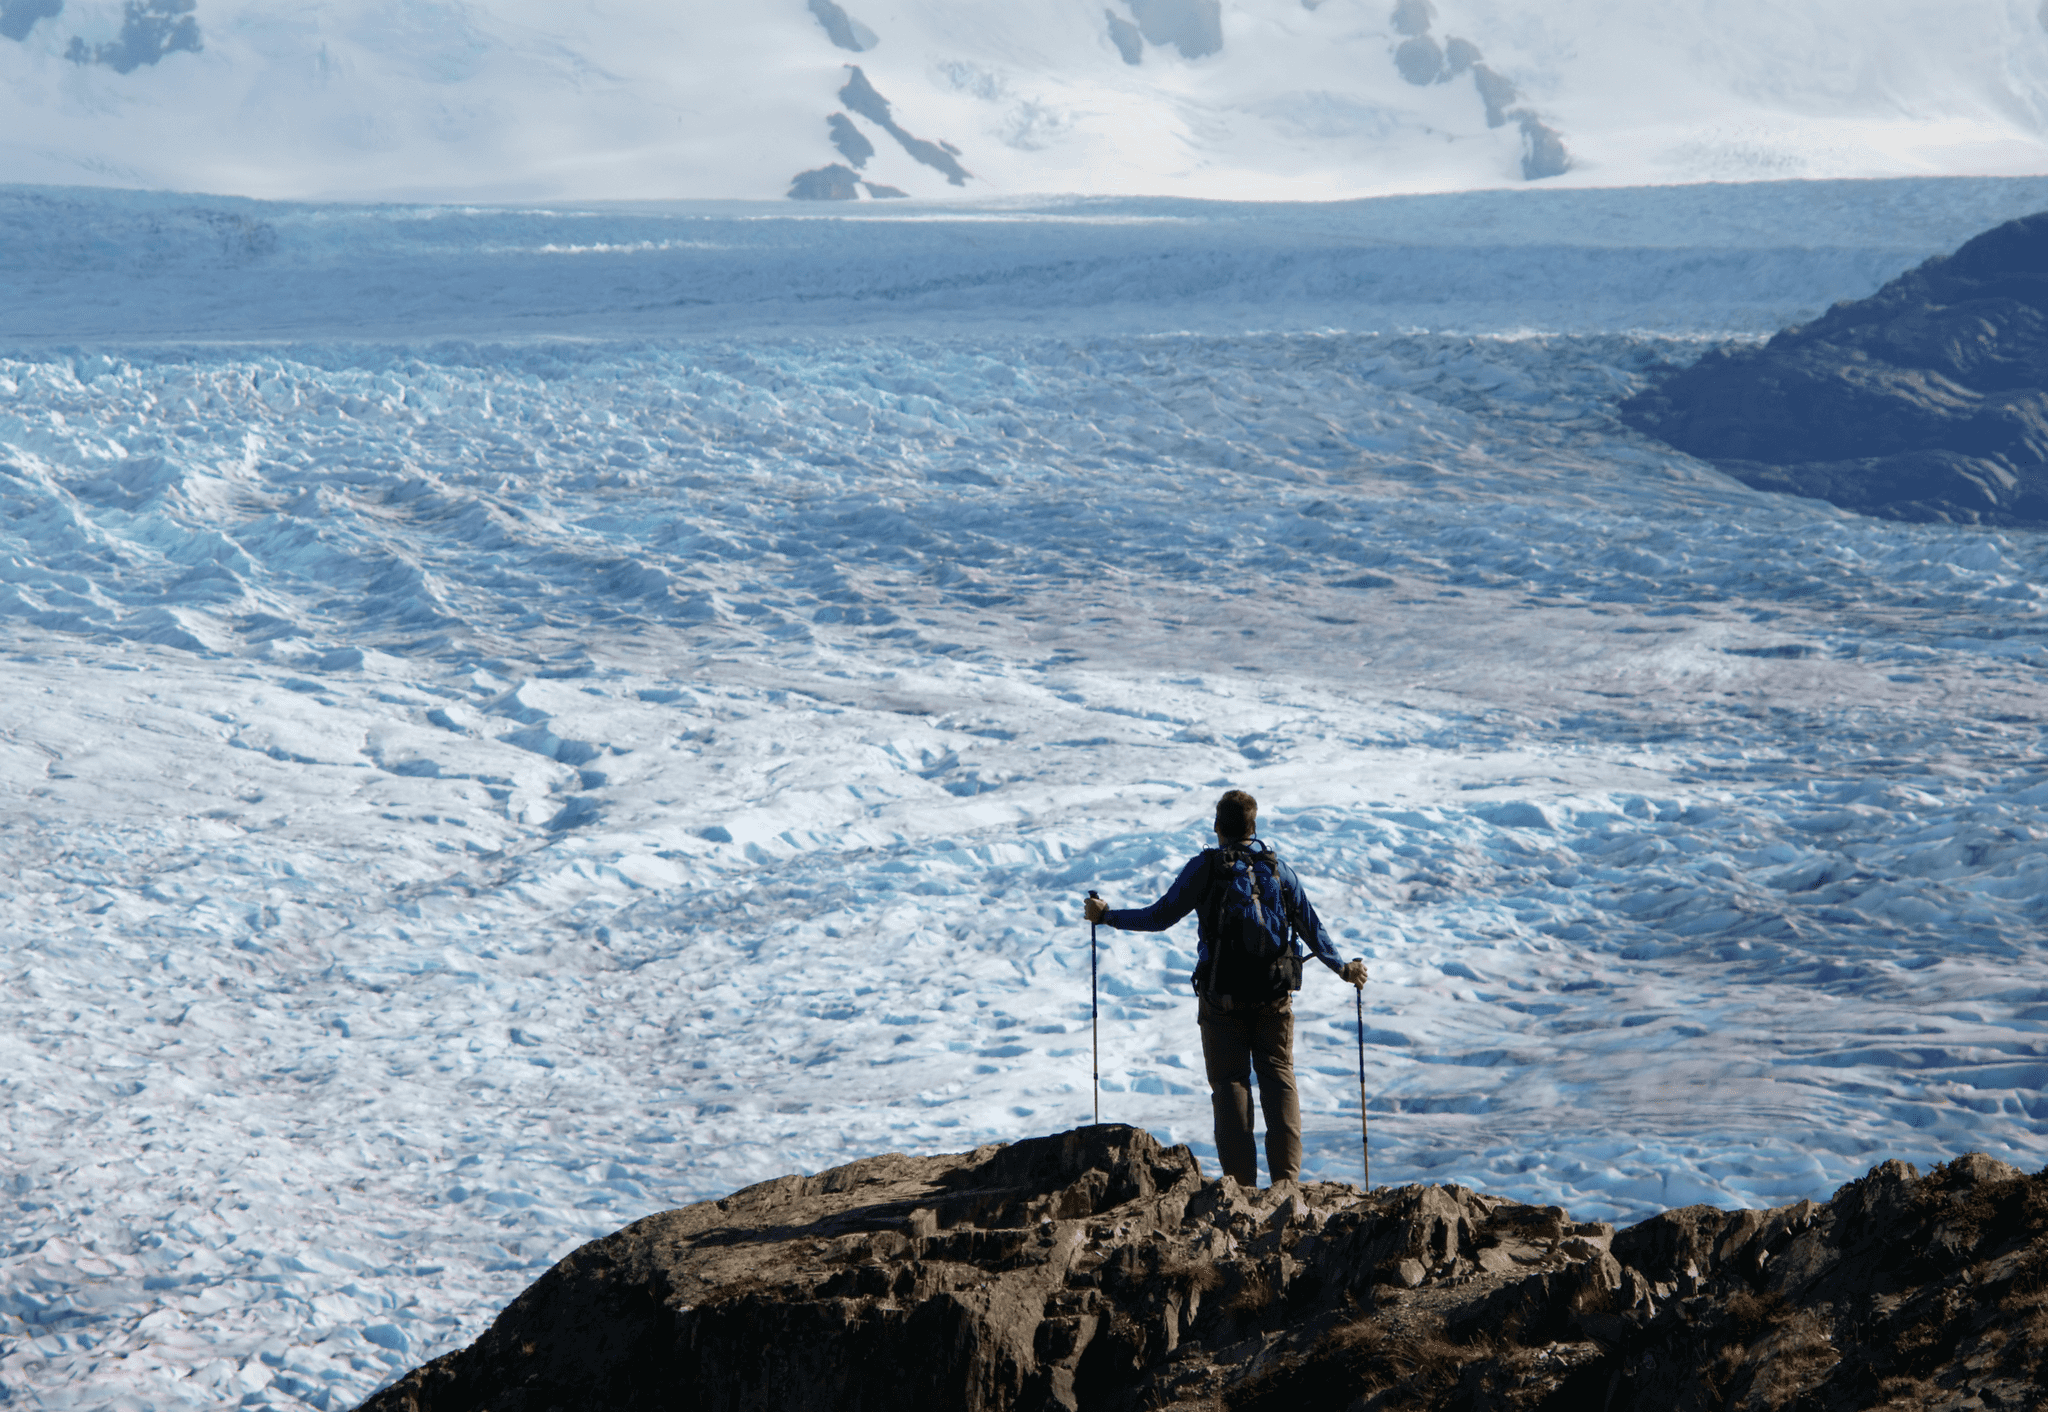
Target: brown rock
[(1095, 1269)]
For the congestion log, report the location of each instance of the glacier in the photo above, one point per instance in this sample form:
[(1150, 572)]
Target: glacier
[(523, 716)]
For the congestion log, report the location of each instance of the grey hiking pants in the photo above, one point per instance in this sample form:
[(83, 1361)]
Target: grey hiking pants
[(1234, 1043)]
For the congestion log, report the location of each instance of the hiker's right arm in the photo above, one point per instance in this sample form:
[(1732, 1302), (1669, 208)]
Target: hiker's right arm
[(1180, 900)]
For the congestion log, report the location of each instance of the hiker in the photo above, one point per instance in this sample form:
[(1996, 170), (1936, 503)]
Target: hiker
[(1249, 907)]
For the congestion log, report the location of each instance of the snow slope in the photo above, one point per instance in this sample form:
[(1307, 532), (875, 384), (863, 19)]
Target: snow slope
[(1238, 99), (518, 719)]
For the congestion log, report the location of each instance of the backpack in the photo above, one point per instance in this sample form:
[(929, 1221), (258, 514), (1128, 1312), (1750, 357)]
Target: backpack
[(1252, 958)]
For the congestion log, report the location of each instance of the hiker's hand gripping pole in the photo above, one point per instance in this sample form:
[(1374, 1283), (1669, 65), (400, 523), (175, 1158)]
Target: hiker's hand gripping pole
[(1094, 1030), (1364, 1135)]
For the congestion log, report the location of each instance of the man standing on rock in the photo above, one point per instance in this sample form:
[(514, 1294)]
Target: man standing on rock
[(1250, 909)]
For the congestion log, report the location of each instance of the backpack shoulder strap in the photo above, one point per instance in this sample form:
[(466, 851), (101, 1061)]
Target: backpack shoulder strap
[(1272, 860), (1219, 861)]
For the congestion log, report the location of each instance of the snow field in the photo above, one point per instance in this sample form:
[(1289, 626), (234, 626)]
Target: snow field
[(464, 797), (1278, 100)]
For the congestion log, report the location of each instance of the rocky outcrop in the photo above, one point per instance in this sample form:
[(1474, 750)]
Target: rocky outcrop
[(1095, 1269), (833, 183), (1926, 401), (860, 96), (1422, 61), (1195, 27), (843, 29)]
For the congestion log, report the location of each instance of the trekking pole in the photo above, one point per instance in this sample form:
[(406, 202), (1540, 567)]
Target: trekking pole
[(1095, 1030), (1364, 1136)]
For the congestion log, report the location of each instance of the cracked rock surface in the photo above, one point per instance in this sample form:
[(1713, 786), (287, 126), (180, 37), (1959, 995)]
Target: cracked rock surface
[(1096, 1269)]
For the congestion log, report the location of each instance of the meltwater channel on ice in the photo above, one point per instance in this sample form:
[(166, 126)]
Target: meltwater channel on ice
[(518, 719)]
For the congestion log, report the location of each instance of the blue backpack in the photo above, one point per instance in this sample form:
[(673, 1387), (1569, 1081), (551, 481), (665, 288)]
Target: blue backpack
[(1252, 956)]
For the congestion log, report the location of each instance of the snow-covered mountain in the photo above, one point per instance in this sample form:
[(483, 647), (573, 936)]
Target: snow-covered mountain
[(1249, 99)]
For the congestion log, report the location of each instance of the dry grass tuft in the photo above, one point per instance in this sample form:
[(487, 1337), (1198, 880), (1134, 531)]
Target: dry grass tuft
[(1200, 1276), (1253, 1296)]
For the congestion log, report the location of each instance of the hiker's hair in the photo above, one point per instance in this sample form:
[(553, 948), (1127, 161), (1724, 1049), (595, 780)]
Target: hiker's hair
[(1237, 816)]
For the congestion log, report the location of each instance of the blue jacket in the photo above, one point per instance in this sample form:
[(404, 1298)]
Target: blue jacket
[(1195, 891)]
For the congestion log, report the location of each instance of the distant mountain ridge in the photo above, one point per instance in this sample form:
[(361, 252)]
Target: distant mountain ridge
[(1235, 99), (1926, 401)]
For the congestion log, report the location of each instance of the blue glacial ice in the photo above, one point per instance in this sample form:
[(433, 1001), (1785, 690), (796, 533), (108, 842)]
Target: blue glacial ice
[(520, 719)]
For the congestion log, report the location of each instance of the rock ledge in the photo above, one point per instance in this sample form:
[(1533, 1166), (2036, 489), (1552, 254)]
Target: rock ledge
[(1095, 1269)]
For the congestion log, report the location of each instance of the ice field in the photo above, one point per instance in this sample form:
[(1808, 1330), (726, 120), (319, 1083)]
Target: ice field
[(517, 719)]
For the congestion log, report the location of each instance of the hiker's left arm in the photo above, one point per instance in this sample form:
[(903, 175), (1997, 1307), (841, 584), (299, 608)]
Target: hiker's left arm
[(1312, 930)]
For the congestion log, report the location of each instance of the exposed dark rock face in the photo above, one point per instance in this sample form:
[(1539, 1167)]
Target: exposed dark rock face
[(1926, 401), (1495, 92), (1414, 17), (833, 183), (150, 29), (860, 96), (1124, 35), (1422, 61), (1096, 1270), (843, 29), (1195, 27), (852, 143), (1543, 153), (18, 17)]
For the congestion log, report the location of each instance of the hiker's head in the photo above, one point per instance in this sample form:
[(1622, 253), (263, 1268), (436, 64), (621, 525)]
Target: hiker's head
[(1237, 817)]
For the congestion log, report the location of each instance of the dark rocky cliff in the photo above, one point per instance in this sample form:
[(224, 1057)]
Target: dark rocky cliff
[(1096, 1270), (1926, 401)]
